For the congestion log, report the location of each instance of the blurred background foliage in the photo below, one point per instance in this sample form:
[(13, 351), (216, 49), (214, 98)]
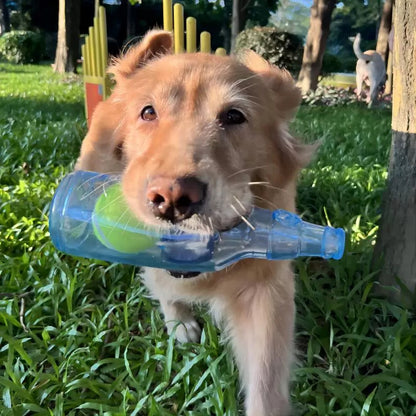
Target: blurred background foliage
[(130, 19)]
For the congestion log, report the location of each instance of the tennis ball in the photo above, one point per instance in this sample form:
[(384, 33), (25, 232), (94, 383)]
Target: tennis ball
[(116, 227)]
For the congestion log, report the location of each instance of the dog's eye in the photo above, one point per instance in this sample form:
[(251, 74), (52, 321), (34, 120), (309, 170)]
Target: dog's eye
[(231, 117), (148, 113)]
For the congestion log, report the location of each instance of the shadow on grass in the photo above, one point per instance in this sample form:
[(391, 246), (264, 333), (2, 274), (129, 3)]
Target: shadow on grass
[(49, 108)]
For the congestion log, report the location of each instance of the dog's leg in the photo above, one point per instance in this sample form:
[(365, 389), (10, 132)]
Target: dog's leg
[(359, 82), (261, 322), (179, 318), (372, 95), (177, 314)]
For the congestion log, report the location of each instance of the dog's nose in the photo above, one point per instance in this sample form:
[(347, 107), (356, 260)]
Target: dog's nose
[(175, 199)]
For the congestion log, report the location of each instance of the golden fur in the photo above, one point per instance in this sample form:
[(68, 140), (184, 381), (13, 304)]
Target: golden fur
[(252, 163)]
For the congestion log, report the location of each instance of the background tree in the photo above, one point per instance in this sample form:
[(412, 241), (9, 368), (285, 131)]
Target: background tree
[(292, 17), (396, 243), (249, 13), (212, 16), (238, 19), (384, 31), (320, 20), (67, 49), (4, 17), (348, 19)]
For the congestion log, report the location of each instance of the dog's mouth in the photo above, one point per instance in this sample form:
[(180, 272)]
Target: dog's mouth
[(207, 223), (183, 275), (191, 274)]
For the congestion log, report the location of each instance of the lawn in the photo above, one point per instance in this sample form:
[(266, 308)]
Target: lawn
[(82, 337)]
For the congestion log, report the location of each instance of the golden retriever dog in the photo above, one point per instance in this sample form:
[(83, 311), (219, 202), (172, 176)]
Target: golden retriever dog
[(370, 69), (199, 140)]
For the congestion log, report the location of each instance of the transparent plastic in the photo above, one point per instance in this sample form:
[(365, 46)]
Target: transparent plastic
[(276, 235)]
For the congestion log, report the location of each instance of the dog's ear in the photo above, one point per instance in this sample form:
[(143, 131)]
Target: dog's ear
[(287, 98), (286, 95), (154, 44)]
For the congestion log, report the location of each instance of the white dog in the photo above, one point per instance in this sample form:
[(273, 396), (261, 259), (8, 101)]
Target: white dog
[(370, 69)]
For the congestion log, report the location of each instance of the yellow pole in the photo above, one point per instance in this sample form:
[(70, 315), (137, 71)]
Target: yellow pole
[(91, 46), (96, 7), (221, 52), (102, 22), (167, 15), (97, 47), (205, 42), (85, 63), (190, 34), (89, 55), (84, 72), (178, 26)]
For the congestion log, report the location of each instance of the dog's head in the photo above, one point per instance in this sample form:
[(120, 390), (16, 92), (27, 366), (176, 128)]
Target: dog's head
[(199, 139)]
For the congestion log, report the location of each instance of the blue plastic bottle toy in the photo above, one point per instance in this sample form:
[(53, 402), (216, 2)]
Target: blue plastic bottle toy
[(89, 218)]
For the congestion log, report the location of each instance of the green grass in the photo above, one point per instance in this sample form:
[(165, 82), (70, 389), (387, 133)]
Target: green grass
[(82, 337)]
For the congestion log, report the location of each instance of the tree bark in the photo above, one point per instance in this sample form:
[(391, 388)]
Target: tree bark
[(396, 244), (67, 49), (238, 19), (4, 17), (130, 21), (384, 30), (320, 20)]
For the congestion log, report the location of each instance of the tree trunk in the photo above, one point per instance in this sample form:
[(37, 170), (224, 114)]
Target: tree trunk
[(396, 244), (384, 31), (4, 17), (67, 49), (238, 19), (235, 22), (320, 20), (130, 21)]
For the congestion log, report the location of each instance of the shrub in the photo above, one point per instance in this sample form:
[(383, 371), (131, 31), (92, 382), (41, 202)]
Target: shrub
[(279, 48), (21, 47), (20, 20), (331, 64), (329, 96)]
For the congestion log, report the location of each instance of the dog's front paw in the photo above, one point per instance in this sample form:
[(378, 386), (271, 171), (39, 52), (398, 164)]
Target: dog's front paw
[(185, 330), (180, 321)]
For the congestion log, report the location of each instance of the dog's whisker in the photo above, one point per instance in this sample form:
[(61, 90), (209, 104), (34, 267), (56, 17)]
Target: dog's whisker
[(239, 172), (98, 189), (211, 224), (239, 203), (259, 183), (270, 186), (272, 204), (113, 201), (252, 99), (243, 218), (120, 218), (205, 220), (241, 80)]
